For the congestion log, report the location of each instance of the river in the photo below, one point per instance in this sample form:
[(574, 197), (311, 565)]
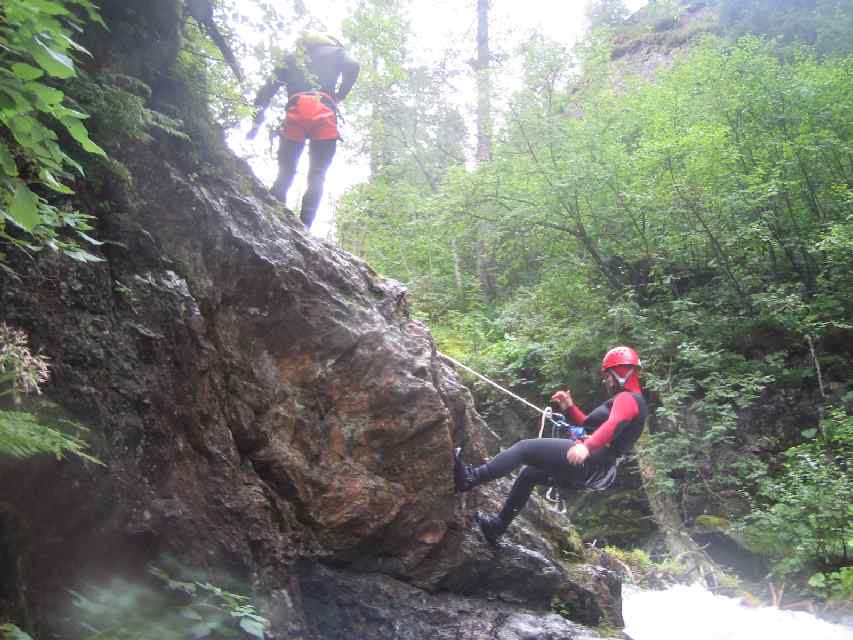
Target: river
[(683, 612)]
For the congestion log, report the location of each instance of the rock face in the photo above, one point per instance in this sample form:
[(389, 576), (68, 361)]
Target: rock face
[(267, 411)]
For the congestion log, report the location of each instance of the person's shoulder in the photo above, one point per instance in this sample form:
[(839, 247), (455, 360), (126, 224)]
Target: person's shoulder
[(626, 396)]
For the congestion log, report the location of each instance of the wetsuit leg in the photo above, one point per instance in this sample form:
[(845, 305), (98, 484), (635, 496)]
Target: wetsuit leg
[(320, 153), (521, 490), (493, 527), (548, 454), (289, 152)]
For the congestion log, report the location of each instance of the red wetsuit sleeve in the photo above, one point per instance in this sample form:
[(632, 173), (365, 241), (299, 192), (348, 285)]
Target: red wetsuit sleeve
[(624, 410), (576, 416)]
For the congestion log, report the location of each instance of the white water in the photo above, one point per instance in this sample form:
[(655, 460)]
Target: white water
[(682, 613)]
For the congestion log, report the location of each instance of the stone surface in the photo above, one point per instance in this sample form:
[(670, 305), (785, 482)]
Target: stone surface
[(267, 412)]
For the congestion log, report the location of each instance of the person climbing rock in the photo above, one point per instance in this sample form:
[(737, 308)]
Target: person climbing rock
[(318, 75), (588, 463)]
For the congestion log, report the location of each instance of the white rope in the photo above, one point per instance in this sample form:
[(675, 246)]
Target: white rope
[(497, 386), (545, 415), (552, 495)]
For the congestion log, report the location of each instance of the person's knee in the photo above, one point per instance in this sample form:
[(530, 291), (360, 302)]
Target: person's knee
[(522, 445), (316, 176), (529, 475)]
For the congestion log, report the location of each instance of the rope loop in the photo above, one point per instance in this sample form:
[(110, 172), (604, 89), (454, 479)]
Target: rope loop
[(546, 415)]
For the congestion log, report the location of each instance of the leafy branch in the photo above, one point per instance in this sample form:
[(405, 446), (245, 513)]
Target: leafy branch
[(36, 56)]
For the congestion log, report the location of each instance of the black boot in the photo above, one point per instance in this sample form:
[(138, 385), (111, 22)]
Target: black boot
[(493, 527), (466, 477)]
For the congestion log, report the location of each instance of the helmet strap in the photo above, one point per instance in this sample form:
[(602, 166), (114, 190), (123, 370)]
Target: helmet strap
[(619, 380)]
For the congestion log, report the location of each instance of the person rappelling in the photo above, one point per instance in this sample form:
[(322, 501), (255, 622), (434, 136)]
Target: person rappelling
[(571, 464), (318, 75)]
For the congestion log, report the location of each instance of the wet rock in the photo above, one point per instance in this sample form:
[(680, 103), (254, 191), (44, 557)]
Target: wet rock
[(339, 604)]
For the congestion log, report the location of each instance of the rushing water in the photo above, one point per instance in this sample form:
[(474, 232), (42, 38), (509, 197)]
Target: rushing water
[(693, 613)]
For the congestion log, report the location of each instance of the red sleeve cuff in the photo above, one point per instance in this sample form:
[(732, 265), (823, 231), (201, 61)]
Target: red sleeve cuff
[(576, 416)]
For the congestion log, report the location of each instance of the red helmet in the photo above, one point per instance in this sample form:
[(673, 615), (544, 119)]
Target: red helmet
[(622, 363), (620, 356)]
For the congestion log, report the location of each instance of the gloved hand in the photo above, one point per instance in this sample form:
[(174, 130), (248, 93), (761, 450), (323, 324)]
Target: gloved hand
[(563, 399)]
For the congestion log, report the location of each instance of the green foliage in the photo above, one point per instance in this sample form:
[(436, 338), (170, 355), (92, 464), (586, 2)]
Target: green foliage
[(11, 632), (19, 368), (705, 217), (22, 434), (213, 83), (834, 585), (828, 24), (639, 569), (171, 610), (35, 58), (803, 516), (118, 112)]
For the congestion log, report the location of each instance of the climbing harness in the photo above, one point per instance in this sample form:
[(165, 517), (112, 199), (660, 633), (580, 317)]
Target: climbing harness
[(560, 428)]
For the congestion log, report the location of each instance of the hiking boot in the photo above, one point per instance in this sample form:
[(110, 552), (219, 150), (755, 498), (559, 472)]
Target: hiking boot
[(466, 477), (463, 474), (493, 527)]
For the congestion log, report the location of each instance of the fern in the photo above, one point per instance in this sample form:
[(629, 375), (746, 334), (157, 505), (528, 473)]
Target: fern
[(22, 435), (22, 372)]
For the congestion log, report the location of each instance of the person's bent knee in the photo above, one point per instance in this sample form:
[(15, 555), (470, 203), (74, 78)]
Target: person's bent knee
[(528, 474)]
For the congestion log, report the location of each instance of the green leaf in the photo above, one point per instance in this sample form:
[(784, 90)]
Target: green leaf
[(79, 133), (76, 253), (11, 632), (252, 627), (50, 8), (28, 131), (24, 209), (89, 239), (51, 182), (26, 71), (71, 113), (47, 95), (69, 42), (808, 434), (7, 161), (20, 102), (54, 62)]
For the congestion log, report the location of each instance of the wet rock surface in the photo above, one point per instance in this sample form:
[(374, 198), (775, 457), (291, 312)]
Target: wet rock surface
[(339, 604), (267, 411)]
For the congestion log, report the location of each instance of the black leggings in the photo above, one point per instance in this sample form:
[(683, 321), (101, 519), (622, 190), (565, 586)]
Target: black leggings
[(546, 464), (320, 155), (547, 454)]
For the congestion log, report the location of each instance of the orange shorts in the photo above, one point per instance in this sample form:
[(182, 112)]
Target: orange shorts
[(310, 116)]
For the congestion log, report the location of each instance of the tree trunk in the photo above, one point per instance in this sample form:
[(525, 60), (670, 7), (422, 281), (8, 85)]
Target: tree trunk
[(457, 271), (485, 265), (484, 84), (679, 543)]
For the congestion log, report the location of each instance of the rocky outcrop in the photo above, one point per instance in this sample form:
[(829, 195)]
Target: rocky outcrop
[(267, 411)]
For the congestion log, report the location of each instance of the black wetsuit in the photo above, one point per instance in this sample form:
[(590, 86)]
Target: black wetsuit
[(546, 463), (318, 70)]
